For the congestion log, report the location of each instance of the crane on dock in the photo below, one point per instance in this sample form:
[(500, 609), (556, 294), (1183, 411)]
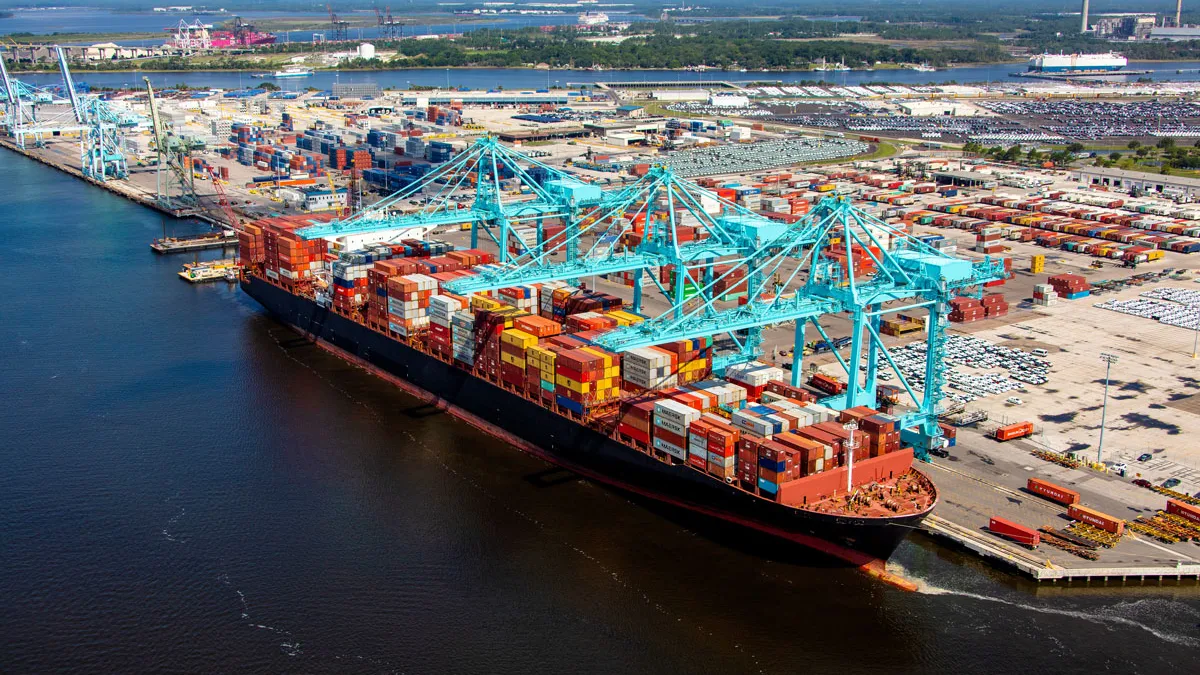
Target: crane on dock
[(22, 117), (175, 182), (725, 272), (101, 154)]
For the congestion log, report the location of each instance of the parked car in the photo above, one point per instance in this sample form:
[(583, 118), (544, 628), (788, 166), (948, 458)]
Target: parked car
[(1170, 483), (1141, 482), (1145, 457), (1119, 467)]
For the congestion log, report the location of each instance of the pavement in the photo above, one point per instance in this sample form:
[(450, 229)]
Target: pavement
[(984, 478)]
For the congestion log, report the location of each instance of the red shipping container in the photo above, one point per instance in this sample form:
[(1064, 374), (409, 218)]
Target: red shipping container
[(1018, 533), (1055, 493)]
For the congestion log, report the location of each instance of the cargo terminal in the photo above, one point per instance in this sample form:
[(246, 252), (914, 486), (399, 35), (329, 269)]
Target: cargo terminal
[(1072, 246)]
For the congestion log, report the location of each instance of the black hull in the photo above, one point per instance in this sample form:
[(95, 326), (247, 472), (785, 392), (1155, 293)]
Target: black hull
[(861, 541)]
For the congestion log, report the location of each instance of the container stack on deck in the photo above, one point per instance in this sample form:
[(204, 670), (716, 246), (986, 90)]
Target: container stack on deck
[(751, 429)]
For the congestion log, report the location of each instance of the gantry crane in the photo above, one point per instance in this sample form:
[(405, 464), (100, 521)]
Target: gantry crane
[(836, 260), (22, 119), (175, 180), (337, 27), (101, 155)]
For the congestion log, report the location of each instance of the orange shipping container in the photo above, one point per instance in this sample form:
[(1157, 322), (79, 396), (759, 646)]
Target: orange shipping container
[(1093, 517), (1055, 493), (1183, 510)]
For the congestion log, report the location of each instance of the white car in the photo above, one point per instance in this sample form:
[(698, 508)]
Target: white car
[(1013, 400), (1119, 467)]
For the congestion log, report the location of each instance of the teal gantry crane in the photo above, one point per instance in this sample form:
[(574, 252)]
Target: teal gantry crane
[(835, 261)]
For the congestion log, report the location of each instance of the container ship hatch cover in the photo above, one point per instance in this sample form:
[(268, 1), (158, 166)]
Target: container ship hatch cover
[(748, 449)]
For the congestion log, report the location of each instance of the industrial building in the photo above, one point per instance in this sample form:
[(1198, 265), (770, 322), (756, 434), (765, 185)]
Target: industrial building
[(1140, 180)]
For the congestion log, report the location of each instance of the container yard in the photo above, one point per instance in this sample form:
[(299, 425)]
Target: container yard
[(650, 292)]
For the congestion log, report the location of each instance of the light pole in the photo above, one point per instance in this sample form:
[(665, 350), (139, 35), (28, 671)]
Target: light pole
[(850, 427), (1108, 360)]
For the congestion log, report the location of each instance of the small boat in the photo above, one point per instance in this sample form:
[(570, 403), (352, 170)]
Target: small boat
[(923, 68), (210, 270)]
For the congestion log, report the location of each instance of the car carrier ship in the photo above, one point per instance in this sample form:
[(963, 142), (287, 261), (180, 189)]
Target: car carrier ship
[(748, 448)]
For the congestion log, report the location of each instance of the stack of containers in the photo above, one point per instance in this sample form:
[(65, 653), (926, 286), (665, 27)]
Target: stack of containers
[(636, 421), (1044, 295), (539, 372), (671, 422), (648, 368), (754, 376), (514, 343), (554, 303), (523, 297), (377, 291), (881, 432), (713, 438), (462, 336), (250, 244), (994, 305), (408, 303), (812, 457), (442, 309), (586, 377), (491, 320), (1070, 286), (777, 388), (288, 257), (760, 420), (776, 465), (989, 240), (966, 310), (584, 321), (693, 359)]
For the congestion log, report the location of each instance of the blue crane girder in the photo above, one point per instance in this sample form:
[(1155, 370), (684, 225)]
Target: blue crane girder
[(745, 317), (584, 267)]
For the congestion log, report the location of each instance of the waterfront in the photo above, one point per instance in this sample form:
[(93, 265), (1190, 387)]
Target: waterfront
[(190, 487), (521, 78)]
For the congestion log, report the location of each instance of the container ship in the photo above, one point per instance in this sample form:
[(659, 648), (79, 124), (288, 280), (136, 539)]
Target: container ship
[(746, 448), (1072, 63)]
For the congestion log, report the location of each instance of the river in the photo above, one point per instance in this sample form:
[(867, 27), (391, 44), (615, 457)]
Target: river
[(518, 78), (188, 487)]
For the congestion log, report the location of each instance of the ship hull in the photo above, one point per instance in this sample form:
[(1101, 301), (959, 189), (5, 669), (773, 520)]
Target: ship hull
[(560, 440)]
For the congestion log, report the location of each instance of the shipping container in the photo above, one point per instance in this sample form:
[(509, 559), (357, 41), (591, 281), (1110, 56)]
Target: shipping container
[(1095, 518), (1053, 492), (1186, 511), (1019, 533)]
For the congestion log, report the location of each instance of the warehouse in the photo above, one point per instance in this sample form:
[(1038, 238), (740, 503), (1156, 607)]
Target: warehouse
[(1142, 181)]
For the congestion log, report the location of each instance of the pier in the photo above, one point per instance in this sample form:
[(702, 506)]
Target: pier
[(984, 479)]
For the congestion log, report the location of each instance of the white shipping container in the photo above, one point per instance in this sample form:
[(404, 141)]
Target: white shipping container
[(672, 450)]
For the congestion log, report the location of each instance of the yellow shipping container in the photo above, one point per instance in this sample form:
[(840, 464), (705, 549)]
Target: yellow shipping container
[(578, 387), (480, 302), (1154, 255), (518, 338), (625, 318), (512, 360)]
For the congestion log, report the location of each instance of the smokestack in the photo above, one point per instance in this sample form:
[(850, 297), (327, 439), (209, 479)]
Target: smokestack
[(1178, 12), (1083, 28)]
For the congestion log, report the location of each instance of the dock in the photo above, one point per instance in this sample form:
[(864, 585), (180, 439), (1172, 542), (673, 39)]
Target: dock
[(224, 239), (986, 479)]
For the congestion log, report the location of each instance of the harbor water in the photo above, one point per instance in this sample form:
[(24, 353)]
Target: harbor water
[(518, 78), (190, 487)]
